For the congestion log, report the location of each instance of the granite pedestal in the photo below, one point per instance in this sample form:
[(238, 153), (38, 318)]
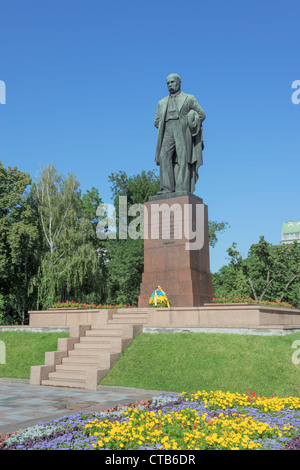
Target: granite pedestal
[(176, 250)]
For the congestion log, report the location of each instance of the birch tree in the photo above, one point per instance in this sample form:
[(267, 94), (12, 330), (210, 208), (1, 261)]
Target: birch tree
[(70, 267)]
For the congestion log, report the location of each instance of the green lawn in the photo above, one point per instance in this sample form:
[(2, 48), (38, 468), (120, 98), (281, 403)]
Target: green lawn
[(26, 349), (201, 361), (179, 361)]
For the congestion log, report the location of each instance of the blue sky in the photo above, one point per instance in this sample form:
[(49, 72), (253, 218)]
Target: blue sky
[(83, 79)]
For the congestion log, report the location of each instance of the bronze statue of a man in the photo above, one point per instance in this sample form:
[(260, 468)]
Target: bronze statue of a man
[(179, 120)]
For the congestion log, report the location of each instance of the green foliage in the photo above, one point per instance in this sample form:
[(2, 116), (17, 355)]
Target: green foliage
[(269, 272), (2, 308), (125, 268), (160, 304), (137, 188), (49, 248), (89, 203), (249, 300), (19, 238), (125, 257), (70, 265), (215, 227), (40, 431)]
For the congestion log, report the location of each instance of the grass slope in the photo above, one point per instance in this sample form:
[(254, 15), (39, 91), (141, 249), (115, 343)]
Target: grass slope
[(179, 361), (201, 361), (26, 349)]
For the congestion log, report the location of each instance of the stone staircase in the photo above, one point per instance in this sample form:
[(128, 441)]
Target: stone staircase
[(84, 358)]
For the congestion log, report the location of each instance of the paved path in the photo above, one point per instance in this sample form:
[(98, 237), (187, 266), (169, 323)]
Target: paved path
[(23, 405)]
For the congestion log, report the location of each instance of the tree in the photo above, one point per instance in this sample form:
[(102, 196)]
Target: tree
[(25, 246), (125, 268), (287, 267), (271, 271), (12, 186), (70, 265), (125, 257), (89, 202), (215, 227), (19, 240), (230, 281)]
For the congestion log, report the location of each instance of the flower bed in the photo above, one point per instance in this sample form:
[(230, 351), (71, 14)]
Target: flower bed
[(73, 304), (164, 303), (186, 421), (249, 300)]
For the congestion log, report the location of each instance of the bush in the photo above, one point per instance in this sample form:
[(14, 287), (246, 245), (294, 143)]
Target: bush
[(249, 300)]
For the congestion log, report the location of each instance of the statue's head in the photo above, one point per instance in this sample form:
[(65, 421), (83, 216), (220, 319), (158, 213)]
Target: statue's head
[(173, 83)]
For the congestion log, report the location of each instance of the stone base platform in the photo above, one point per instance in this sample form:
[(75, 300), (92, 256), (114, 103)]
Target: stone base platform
[(212, 315), (207, 316), (98, 337)]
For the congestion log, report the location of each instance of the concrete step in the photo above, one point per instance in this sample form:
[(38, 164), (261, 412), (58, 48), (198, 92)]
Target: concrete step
[(116, 343), (93, 360), (127, 330), (102, 360), (71, 383), (74, 367), (98, 339), (135, 317), (67, 374), (133, 310), (103, 332), (121, 319), (274, 327), (95, 343), (95, 352)]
